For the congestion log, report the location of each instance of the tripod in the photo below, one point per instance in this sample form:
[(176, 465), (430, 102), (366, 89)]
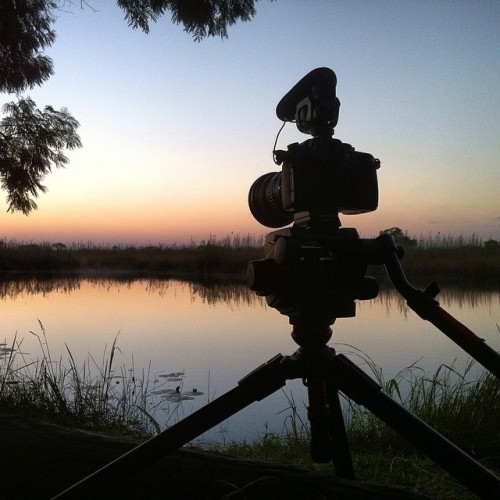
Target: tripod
[(313, 278)]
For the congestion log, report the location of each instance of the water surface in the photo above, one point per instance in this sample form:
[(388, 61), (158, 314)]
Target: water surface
[(215, 334)]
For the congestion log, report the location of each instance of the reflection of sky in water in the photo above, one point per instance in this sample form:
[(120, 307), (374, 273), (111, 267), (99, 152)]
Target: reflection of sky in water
[(215, 335)]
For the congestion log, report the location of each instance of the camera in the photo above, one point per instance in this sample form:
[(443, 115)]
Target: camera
[(321, 176)]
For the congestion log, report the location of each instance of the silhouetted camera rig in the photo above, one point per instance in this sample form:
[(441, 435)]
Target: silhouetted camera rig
[(320, 177), (313, 272)]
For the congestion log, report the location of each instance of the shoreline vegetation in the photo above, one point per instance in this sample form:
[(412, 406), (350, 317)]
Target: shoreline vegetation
[(116, 400), (464, 260), (463, 407)]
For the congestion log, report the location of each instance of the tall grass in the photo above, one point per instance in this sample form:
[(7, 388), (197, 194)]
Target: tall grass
[(96, 395), (227, 255), (462, 405), (460, 258), (463, 259)]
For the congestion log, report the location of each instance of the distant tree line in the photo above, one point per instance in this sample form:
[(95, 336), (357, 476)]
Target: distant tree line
[(401, 238), (464, 260)]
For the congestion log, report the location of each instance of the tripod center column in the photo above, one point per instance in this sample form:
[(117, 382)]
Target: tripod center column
[(311, 336)]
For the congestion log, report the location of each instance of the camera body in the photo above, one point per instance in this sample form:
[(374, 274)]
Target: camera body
[(325, 176), (321, 176)]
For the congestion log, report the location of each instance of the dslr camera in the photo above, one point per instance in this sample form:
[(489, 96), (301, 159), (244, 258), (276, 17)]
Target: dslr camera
[(321, 176)]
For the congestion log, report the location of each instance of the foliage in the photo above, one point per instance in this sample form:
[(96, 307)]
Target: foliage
[(463, 407), (229, 255), (460, 404), (400, 237), (493, 244), (31, 141), (461, 261), (25, 30), (100, 397), (464, 259), (201, 18)]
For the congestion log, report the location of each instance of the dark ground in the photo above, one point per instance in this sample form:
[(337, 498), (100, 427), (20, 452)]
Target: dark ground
[(38, 460)]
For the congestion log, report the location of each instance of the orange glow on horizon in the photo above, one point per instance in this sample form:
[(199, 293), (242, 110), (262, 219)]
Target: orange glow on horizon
[(178, 218)]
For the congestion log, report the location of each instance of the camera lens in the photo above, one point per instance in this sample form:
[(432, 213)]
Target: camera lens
[(264, 200)]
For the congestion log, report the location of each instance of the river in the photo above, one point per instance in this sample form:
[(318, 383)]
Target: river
[(214, 334)]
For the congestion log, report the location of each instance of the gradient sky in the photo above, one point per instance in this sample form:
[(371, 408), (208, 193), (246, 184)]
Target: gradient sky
[(174, 132)]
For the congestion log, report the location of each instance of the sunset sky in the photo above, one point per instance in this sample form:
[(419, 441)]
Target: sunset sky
[(174, 132)]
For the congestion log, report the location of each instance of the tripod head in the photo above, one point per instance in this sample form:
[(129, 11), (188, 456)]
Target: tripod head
[(314, 271), (313, 277)]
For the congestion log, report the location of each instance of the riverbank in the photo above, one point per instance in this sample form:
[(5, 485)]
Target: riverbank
[(228, 256), (50, 396), (39, 460), (463, 261)]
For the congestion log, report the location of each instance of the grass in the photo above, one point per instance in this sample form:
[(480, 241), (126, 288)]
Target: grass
[(463, 259), (96, 395), (229, 255), (464, 406), (466, 260)]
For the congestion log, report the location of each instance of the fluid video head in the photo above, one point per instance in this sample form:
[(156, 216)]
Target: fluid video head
[(321, 176)]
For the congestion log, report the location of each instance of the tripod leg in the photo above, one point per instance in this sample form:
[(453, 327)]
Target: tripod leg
[(328, 433), (359, 387), (424, 304), (342, 459), (260, 383), (318, 413)]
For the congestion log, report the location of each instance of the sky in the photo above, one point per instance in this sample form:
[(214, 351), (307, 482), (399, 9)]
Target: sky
[(175, 131)]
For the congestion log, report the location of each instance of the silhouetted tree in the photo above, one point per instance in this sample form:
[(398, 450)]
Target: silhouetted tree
[(400, 237), (201, 18), (491, 244), (31, 140), (25, 30), (58, 247)]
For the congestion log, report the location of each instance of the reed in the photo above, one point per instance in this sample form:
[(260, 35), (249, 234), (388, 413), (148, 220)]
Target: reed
[(466, 260), (462, 406), (461, 261), (227, 255), (96, 395)]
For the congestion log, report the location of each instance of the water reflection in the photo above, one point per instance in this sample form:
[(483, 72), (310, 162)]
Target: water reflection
[(39, 285), (235, 294), (449, 296), (212, 293), (212, 334)]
